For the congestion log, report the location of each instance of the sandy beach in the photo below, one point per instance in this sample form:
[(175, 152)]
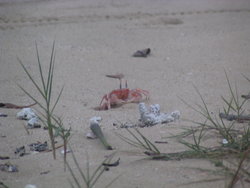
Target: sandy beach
[(193, 43)]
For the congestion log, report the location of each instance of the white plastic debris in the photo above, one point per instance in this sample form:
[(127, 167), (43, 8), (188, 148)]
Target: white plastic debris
[(30, 186), (224, 141), (33, 123), (26, 114), (95, 119), (153, 116), (67, 151)]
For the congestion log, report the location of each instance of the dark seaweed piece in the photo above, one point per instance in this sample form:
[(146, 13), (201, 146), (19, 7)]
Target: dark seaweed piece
[(20, 151), (38, 146), (3, 115), (4, 157), (8, 167), (116, 163), (142, 53)]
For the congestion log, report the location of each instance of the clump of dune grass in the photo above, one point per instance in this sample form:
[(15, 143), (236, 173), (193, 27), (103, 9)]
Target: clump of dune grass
[(235, 141), (88, 178), (45, 89)]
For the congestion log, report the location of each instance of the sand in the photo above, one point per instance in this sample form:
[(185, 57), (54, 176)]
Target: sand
[(192, 42)]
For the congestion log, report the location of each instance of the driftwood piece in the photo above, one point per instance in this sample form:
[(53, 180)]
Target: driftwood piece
[(231, 117), (10, 105)]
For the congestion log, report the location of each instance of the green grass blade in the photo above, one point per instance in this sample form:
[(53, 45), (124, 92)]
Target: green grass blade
[(51, 82), (190, 106), (144, 139), (57, 100), (71, 184), (99, 170), (248, 79), (229, 104), (88, 171), (36, 101), (78, 167), (149, 144), (73, 175), (129, 141), (40, 70), (50, 74), (112, 181), (138, 140), (31, 78), (231, 90)]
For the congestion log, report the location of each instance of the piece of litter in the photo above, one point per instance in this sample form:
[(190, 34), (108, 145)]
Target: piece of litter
[(95, 119), (153, 116), (142, 53), (45, 172), (3, 115), (91, 135), (26, 114), (8, 167), (33, 123), (224, 141), (38, 146), (20, 151), (67, 151), (4, 157)]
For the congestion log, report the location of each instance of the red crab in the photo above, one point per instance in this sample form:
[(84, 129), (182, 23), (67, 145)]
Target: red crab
[(122, 96)]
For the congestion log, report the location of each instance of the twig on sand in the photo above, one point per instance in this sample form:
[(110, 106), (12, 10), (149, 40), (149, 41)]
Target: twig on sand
[(231, 117)]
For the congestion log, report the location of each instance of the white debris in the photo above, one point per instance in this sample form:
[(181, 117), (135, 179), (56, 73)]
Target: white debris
[(224, 141), (91, 135), (67, 151), (95, 119), (34, 123), (30, 186), (153, 116), (26, 114)]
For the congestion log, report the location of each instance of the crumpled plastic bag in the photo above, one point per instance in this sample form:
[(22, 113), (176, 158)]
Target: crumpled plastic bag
[(152, 115)]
